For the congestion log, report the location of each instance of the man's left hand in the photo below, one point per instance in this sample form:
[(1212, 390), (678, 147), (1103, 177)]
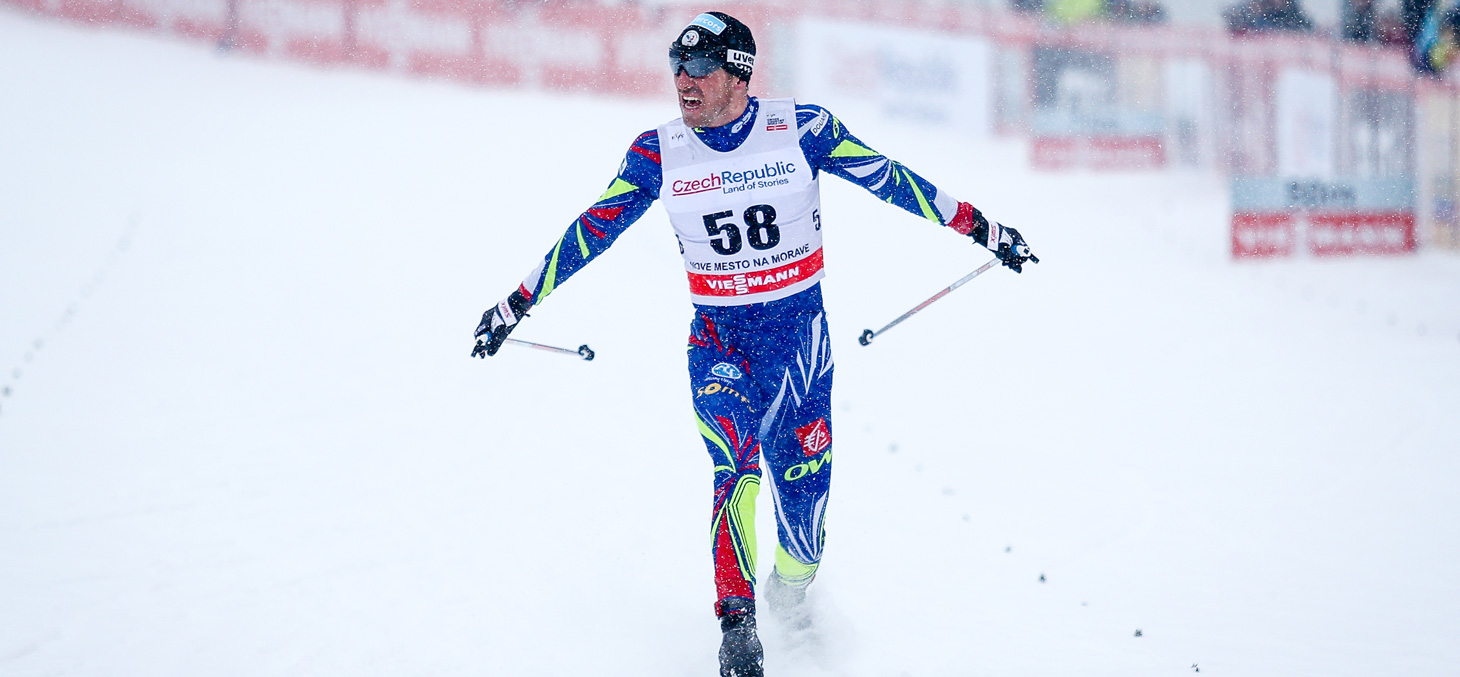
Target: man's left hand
[(1011, 248), (1006, 243)]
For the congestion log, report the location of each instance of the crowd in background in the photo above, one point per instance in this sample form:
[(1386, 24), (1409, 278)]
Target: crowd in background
[(1133, 11), (1428, 30), (1259, 16)]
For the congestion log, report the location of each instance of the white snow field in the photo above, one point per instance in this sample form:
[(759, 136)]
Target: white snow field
[(256, 445)]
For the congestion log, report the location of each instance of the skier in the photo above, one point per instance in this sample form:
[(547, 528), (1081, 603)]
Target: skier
[(739, 177)]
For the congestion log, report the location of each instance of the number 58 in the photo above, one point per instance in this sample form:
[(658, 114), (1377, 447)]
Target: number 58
[(760, 229)]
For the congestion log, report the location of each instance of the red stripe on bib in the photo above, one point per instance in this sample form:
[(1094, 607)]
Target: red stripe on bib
[(740, 284)]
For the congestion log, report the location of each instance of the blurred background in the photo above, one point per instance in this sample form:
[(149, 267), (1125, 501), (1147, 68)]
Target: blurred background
[(243, 244), (1335, 119)]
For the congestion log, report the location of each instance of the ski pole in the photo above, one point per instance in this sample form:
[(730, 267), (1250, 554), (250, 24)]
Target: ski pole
[(867, 334), (583, 351)]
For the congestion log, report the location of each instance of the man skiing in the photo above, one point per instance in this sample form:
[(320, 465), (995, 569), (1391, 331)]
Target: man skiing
[(739, 178)]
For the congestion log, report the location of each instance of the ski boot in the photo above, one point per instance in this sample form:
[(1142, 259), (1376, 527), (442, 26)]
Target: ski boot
[(740, 651), (788, 605)]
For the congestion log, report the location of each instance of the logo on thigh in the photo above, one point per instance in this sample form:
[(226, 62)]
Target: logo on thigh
[(815, 437), (726, 370), (810, 467), (714, 387)]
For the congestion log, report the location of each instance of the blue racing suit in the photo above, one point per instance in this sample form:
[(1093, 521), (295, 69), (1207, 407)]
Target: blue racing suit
[(760, 373)]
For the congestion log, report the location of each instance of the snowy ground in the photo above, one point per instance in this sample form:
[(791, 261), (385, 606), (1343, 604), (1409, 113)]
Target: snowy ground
[(255, 444)]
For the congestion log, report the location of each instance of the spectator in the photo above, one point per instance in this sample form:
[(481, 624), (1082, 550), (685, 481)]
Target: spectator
[(1413, 13), (1072, 11), (1259, 16), (1131, 11), (1359, 21), (1437, 41)]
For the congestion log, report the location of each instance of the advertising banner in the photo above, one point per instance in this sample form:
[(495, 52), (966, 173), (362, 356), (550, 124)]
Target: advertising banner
[(1084, 114), (1307, 111), (1190, 106), (909, 74), (1276, 217)]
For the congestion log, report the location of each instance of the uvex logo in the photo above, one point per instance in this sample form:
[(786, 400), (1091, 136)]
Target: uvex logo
[(736, 56)]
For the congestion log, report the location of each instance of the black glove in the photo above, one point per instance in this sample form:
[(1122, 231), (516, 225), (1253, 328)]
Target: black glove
[(498, 322), (1003, 241)]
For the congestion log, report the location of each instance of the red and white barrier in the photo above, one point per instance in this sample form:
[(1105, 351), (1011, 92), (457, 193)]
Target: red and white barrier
[(1098, 152), (1094, 96), (617, 50)]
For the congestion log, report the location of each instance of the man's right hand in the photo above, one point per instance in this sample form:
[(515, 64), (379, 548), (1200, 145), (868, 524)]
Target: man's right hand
[(498, 322)]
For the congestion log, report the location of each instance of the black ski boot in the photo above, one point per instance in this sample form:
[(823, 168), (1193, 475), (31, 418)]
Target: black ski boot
[(740, 651)]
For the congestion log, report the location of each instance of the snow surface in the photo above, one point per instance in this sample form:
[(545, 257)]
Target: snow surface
[(256, 445)]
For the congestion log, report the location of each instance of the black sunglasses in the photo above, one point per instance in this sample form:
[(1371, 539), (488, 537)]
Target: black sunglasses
[(694, 66)]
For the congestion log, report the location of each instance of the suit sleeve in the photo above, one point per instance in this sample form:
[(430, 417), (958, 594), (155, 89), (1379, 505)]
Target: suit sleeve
[(831, 148), (629, 195)]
